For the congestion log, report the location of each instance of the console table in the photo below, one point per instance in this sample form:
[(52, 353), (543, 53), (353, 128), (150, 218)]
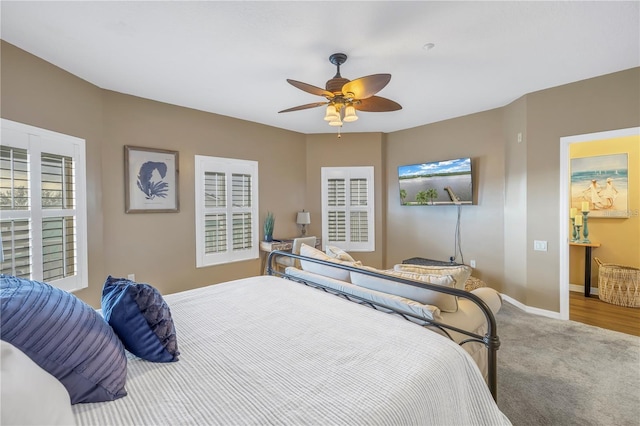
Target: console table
[(280, 245), (587, 264)]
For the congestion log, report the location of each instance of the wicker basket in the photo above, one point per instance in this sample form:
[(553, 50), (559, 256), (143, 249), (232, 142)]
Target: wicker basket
[(618, 284)]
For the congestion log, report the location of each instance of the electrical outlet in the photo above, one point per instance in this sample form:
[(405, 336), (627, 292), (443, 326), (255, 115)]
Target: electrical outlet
[(131, 277), (472, 263), (539, 245)]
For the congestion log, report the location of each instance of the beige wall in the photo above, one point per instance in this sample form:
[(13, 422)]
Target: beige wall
[(517, 184), (37, 93), (158, 248), (515, 198), (429, 231), (352, 149), (605, 103)]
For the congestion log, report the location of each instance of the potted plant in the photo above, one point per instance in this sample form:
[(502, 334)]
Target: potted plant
[(269, 223)]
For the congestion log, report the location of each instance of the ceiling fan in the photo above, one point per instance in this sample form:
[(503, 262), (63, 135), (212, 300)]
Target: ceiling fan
[(345, 96)]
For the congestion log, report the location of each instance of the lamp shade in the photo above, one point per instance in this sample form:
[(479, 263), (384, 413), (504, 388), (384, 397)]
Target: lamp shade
[(332, 114), (304, 218), (350, 114)]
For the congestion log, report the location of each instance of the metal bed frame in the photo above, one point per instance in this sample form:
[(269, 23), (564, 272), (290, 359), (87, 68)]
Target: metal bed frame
[(490, 340)]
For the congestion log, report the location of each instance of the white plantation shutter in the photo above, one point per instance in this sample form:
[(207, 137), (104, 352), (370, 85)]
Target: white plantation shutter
[(242, 238), (58, 221), (242, 216), (226, 210), (15, 204), (359, 210), (43, 221), (347, 207), (215, 218), (58, 247), (215, 230), (337, 210)]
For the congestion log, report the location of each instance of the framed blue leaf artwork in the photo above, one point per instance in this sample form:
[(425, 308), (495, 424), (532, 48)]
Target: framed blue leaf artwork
[(151, 180)]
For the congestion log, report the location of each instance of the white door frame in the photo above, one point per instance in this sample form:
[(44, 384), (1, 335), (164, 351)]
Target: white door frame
[(564, 204)]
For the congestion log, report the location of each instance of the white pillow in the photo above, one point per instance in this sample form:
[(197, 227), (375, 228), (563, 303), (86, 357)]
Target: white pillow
[(446, 302), (327, 271), (460, 273), (391, 301), (30, 395), (338, 253)]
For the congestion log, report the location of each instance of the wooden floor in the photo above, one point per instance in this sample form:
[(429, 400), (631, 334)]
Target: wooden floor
[(593, 311)]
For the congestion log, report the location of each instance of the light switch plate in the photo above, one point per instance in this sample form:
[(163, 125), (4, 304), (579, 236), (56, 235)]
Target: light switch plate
[(539, 245)]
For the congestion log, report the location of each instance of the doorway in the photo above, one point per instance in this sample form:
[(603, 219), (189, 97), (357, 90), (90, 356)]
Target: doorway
[(565, 196)]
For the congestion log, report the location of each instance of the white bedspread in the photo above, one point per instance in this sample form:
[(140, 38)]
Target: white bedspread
[(264, 350)]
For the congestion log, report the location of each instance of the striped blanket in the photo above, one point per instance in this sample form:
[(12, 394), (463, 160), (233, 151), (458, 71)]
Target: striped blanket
[(264, 350)]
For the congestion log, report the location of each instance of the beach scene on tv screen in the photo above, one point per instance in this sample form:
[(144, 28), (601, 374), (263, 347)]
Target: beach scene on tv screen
[(436, 183)]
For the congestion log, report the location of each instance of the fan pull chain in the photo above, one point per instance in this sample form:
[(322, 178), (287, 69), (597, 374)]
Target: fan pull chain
[(339, 135)]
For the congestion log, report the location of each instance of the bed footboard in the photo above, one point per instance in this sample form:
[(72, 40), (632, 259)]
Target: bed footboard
[(490, 339)]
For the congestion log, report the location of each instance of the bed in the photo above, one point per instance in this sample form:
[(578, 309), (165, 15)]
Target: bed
[(268, 350)]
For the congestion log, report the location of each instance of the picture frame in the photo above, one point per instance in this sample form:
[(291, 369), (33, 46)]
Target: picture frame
[(602, 181), (151, 180)]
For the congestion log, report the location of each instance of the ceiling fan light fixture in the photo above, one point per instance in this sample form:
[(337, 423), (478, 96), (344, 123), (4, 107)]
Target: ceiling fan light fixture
[(342, 94), (335, 122), (331, 114), (350, 114)]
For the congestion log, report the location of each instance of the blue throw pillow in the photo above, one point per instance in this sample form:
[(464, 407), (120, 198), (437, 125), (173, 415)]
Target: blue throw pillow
[(64, 336), (141, 318)]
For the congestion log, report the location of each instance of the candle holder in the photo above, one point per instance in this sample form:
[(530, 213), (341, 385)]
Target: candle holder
[(585, 228), (574, 236), (578, 229)]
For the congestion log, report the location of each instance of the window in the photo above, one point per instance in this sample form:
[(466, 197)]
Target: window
[(43, 224), (347, 208), (226, 210)]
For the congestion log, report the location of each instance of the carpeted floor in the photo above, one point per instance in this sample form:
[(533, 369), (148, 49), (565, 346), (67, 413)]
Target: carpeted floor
[(554, 372)]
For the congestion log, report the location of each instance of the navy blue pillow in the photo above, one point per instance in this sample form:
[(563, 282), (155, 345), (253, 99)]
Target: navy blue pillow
[(141, 318), (64, 336)]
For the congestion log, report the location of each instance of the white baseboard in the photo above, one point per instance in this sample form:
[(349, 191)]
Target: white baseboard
[(579, 288), (530, 310)]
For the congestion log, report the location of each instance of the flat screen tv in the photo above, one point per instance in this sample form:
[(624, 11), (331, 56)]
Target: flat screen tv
[(436, 183)]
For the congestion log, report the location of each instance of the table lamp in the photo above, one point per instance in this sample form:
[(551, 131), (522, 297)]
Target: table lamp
[(303, 219)]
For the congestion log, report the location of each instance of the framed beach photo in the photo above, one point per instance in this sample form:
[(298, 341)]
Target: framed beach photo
[(151, 180), (601, 181)]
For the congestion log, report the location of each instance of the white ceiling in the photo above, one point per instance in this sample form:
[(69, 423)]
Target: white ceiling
[(233, 58)]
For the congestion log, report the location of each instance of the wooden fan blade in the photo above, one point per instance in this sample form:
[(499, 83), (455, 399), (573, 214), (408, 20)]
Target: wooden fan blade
[(306, 106), (377, 104), (310, 89), (365, 87)]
